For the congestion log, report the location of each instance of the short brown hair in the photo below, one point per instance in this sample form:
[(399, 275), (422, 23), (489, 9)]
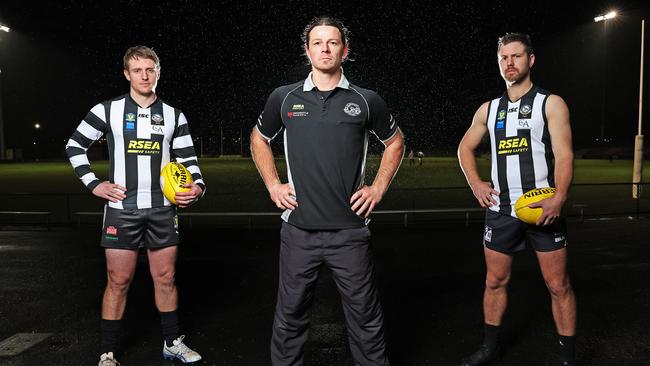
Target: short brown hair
[(140, 52), (517, 37)]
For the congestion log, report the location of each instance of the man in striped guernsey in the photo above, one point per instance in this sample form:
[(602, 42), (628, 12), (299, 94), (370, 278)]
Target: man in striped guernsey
[(530, 139), (143, 134), (326, 122)]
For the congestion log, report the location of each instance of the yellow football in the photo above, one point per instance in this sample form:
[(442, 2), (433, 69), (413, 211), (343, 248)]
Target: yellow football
[(172, 179), (531, 215)]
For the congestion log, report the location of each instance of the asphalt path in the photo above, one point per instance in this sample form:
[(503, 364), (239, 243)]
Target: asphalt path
[(430, 278)]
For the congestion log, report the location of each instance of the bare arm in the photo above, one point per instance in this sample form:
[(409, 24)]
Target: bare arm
[(483, 191), (283, 195), (559, 127), (364, 200)]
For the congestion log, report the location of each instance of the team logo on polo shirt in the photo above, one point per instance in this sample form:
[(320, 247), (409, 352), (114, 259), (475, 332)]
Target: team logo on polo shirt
[(352, 109), (525, 110)]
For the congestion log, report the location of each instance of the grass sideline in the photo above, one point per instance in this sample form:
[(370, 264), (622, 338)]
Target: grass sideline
[(235, 186), (238, 175)]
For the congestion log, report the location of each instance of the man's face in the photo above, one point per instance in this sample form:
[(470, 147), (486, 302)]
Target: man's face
[(514, 62), (325, 49), (143, 75)]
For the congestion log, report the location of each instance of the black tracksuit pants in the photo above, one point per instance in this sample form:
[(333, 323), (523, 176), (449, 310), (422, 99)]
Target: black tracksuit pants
[(347, 253)]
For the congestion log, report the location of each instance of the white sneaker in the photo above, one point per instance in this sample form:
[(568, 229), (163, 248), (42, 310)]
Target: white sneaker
[(107, 359), (180, 351)]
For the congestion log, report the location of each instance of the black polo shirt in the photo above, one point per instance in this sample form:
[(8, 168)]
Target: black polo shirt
[(325, 145)]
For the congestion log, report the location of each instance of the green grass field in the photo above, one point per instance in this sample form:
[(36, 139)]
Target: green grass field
[(234, 185), (238, 175)]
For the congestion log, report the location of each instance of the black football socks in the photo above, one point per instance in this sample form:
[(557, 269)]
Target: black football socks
[(170, 328), (491, 339), (110, 330), (567, 348)]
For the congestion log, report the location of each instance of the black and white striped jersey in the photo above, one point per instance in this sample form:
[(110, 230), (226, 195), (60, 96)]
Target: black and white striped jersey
[(140, 142), (522, 157)]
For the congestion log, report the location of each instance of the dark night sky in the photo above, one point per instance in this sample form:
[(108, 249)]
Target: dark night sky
[(434, 64)]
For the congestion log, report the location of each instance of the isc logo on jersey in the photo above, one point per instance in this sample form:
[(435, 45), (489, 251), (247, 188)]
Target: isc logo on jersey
[(143, 147), (513, 145)]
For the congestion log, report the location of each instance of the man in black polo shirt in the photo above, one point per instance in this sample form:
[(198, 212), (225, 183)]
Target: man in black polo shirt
[(325, 121)]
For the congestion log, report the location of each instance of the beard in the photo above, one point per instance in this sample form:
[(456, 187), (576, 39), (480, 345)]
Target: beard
[(516, 77)]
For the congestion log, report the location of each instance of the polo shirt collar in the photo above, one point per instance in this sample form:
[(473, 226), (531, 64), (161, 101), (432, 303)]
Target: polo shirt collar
[(309, 84)]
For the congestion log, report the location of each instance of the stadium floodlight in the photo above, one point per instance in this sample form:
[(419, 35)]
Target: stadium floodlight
[(3, 28), (609, 15), (604, 19)]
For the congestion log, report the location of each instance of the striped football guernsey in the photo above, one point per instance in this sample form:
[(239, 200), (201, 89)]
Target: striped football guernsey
[(140, 142), (522, 158)]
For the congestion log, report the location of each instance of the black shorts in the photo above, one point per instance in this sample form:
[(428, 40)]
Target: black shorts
[(135, 228), (508, 235)]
